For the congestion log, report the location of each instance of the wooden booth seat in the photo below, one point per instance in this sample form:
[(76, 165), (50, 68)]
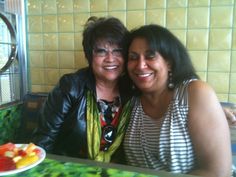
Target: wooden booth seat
[(31, 107)]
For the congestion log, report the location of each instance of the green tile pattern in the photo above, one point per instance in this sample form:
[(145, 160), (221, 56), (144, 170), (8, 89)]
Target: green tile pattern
[(54, 168), (206, 27)]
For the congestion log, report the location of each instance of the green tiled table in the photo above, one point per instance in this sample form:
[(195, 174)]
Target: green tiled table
[(60, 166)]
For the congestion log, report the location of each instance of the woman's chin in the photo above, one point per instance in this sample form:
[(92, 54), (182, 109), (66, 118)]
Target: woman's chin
[(144, 88)]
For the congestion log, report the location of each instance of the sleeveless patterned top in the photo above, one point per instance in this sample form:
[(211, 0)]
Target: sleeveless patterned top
[(163, 144)]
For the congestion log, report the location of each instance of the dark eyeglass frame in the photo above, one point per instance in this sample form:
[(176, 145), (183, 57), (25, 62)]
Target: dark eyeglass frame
[(103, 52), (105, 130)]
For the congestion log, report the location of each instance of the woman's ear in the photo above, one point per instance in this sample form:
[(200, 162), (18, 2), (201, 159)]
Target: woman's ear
[(169, 66)]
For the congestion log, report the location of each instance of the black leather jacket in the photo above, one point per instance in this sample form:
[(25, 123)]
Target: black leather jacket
[(62, 123)]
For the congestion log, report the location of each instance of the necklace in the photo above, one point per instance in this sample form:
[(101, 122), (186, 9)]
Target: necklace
[(109, 113)]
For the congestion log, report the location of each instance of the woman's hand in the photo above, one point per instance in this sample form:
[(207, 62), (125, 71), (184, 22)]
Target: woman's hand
[(230, 115)]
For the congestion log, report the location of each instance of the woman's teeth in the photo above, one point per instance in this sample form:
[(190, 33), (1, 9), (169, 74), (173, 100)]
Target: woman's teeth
[(110, 67), (144, 75)]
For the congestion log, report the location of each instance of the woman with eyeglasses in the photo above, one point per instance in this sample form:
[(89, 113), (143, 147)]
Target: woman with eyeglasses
[(177, 122), (86, 114)]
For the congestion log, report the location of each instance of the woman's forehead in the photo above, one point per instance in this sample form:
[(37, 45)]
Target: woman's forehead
[(105, 43), (139, 42)]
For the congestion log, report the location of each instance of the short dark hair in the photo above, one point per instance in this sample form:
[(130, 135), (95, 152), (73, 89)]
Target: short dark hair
[(110, 29), (169, 47)]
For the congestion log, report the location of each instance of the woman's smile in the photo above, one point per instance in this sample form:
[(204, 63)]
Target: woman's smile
[(111, 67), (147, 68), (143, 75)]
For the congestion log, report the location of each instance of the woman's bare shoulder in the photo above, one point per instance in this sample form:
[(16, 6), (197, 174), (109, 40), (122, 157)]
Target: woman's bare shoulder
[(199, 89)]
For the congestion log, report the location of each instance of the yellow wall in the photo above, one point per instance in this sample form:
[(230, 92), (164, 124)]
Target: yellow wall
[(206, 27)]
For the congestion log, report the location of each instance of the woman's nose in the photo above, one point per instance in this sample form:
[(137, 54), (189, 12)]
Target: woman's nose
[(109, 56), (141, 63)]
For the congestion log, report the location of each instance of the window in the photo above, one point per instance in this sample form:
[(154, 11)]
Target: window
[(9, 65), (12, 57)]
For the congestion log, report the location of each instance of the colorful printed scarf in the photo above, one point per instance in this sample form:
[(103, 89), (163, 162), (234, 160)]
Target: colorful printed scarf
[(94, 130)]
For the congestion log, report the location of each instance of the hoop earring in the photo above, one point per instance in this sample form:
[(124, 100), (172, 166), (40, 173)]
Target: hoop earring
[(170, 85)]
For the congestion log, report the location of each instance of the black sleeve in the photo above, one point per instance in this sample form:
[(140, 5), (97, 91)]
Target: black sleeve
[(52, 114)]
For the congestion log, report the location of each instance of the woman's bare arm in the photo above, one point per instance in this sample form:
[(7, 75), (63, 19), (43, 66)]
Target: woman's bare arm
[(209, 132)]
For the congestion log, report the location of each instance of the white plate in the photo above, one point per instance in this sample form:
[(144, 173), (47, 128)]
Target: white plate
[(41, 158)]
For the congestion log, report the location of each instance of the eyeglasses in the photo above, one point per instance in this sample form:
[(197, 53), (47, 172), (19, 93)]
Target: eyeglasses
[(108, 134), (103, 52)]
